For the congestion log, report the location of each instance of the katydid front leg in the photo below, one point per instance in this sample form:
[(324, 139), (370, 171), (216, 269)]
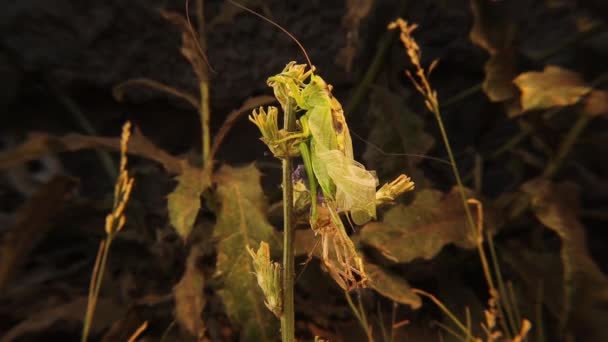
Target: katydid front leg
[(312, 181), (306, 157)]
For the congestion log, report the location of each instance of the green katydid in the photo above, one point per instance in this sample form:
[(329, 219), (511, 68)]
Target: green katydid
[(326, 147)]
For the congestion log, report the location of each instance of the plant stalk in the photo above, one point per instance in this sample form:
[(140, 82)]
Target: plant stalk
[(288, 317), (205, 111)]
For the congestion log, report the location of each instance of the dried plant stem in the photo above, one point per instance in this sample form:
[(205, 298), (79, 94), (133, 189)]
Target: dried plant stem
[(447, 311), (359, 313), (115, 221), (288, 319)]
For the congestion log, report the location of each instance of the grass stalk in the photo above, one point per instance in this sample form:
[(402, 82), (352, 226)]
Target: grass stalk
[(288, 317), (360, 315), (115, 221), (569, 140)]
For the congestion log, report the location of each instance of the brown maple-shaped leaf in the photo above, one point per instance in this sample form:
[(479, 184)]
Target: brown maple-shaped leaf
[(423, 228)]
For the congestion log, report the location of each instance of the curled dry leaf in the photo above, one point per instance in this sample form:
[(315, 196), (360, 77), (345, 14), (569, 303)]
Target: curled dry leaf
[(391, 286), (32, 223), (39, 144), (72, 311), (557, 87), (191, 48), (189, 296), (423, 228), (356, 10), (585, 288), (494, 31)]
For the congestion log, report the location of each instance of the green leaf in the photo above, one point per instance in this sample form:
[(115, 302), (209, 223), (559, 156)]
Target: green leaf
[(185, 201), (585, 290), (241, 223), (391, 286), (421, 229)]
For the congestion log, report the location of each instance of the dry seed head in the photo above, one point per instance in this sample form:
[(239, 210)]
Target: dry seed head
[(523, 332), (122, 189), (268, 274), (389, 191), (413, 51)]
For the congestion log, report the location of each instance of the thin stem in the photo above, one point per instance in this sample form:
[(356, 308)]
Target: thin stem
[(372, 71), (205, 110), (205, 118), (362, 320), (95, 286), (446, 311), (504, 304), (287, 319), (573, 134), (74, 110), (446, 142)]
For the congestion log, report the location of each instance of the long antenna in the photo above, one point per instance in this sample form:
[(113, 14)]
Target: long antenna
[(277, 26)]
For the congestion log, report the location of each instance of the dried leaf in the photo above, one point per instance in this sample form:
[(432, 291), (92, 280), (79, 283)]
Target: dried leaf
[(33, 222), (391, 286), (189, 297), (241, 222), (184, 202), (585, 305), (119, 90), (494, 31), (39, 144), (557, 87), (73, 311), (500, 72), (356, 10), (191, 48), (421, 229), (596, 103)]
